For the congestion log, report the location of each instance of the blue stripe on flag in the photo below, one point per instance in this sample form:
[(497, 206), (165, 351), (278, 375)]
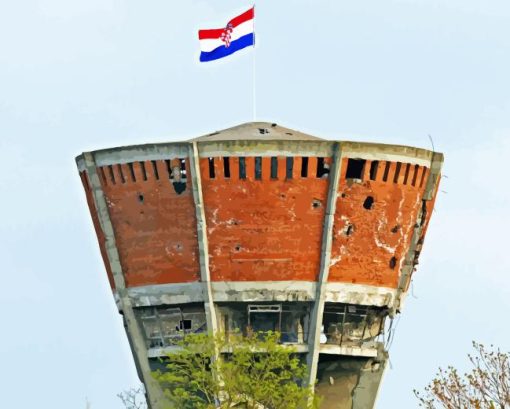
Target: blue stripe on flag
[(222, 51)]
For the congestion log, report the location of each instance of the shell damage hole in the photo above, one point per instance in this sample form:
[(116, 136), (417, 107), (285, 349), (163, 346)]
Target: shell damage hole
[(395, 229), (316, 203), (349, 230), (368, 203), (393, 262), (140, 198), (237, 247), (263, 131), (179, 187)]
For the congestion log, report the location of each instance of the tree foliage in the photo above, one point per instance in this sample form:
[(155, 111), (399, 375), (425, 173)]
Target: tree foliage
[(487, 386), (134, 398), (255, 372)]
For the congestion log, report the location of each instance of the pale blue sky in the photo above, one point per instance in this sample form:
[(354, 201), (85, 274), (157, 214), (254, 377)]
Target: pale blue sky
[(87, 74)]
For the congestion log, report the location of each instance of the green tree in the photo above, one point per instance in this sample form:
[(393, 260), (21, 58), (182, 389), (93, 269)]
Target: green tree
[(487, 386), (254, 372)]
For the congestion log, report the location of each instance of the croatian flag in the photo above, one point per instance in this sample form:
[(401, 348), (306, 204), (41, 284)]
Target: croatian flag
[(220, 42)]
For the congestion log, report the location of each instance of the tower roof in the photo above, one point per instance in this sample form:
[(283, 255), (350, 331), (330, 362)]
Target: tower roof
[(263, 131)]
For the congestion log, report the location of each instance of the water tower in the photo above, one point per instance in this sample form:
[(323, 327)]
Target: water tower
[(264, 227)]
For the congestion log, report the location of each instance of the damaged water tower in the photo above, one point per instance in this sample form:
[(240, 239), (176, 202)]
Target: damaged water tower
[(261, 227)]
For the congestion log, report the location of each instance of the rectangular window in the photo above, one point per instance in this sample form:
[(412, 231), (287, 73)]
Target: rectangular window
[(226, 166), (304, 167), (274, 167), (289, 166), (258, 168), (242, 167), (211, 168), (373, 169), (355, 168)]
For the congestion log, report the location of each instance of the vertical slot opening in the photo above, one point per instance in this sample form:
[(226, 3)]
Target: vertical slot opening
[(423, 176), (122, 178), (321, 168), (289, 162), (144, 171), (112, 175), (406, 175), (226, 166), (415, 176), (258, 167), (132, 172), (212, 173), (242, 167), (274, 167), (184, 173), (169, 168), (397, 172), (155, 169), (355, 168), (374, 166), (103, 175), (386, 171), (304, 167)]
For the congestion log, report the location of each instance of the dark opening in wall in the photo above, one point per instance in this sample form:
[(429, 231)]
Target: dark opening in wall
[(185, 324), (416, 169), (169, 168), (397, 172), (112, 175), (140, 198), (211, 168), (289, 162), (274, 167), (122, 178), (423, 176), (242, 167), (322, 168), (132, 172), (350, 229), (184, 172), (406, 175), (103, 175), (374, 166), (304, 167), (258, 167), (368, 203), (155, 169), (179, 187), (226, 166), (316, 203), (355, 168), (386, 171), (144, 171), (393, 262)]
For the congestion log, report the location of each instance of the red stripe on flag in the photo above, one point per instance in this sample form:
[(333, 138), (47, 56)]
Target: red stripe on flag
[(214, 33), (247, 15)]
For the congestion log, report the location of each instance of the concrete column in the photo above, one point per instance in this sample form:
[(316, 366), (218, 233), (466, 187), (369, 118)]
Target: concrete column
[(203, 246), (155, 398), (327, 237)]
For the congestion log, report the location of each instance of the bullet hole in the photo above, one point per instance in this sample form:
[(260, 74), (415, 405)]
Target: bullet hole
[(140, 198), (178, 246), (393, 262), (179, 187), (368, 203), (343, 195), (316, 203), (355, 168), (237, 248), (395, 229), (282, 195), (263, 131), (350, 230)]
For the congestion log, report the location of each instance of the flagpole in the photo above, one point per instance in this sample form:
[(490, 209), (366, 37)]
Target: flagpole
[(253, 73)]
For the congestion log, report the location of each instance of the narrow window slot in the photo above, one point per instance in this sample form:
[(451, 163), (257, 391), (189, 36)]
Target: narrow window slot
[(406, 176), (132, 172), (258, 167), (289, 167), (386, 171), (112, 175), (397, 172), (374, 166), (355, 168), (274, 167), (122, 178), (169, 168), (321, 168), (212, 173), (184, 173), (226, 166), (103, 175), (423, 176), (155, 169), (304, 167), (144, 171), (242, 167), (415, 176)]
